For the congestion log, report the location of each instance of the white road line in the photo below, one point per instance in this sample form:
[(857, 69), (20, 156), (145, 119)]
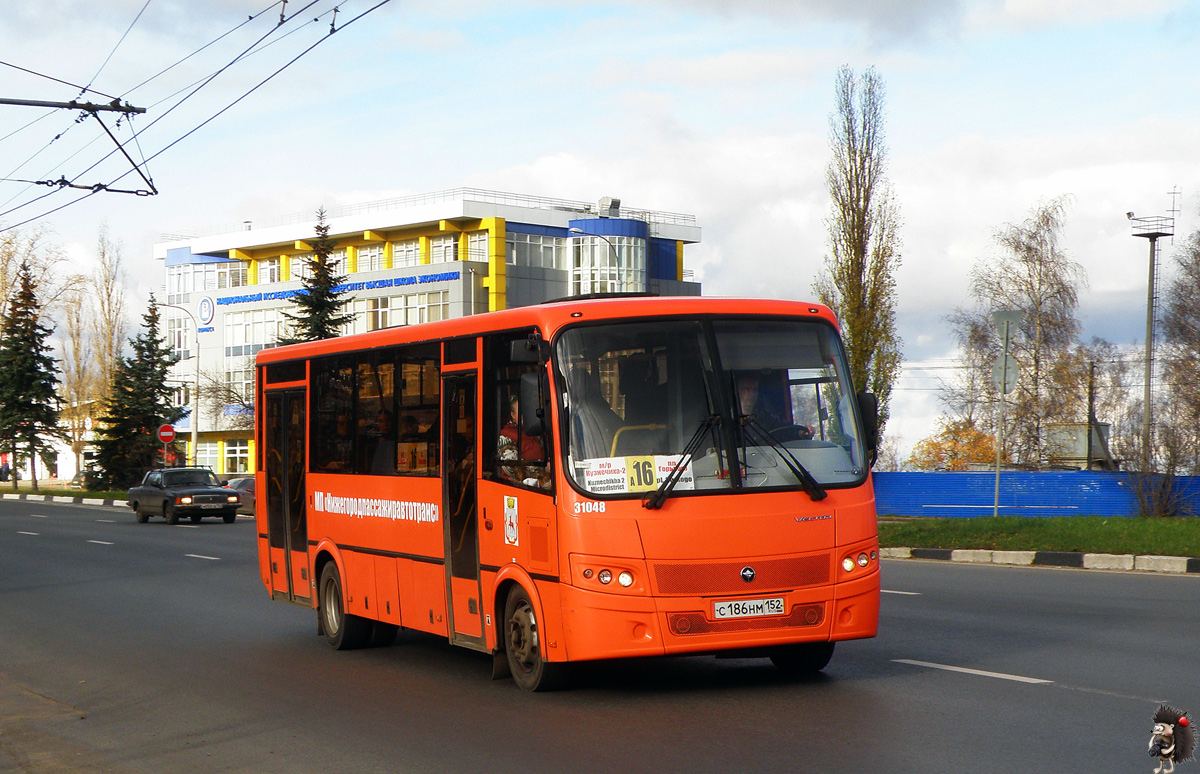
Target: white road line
[(39, 515), (188, 526), (107, 521), (978, 672), (905, 593), (19, 532), (201, 556), (100, 542)]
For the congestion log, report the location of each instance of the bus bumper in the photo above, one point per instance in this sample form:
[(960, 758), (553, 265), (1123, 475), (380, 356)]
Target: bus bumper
[(598, 625)]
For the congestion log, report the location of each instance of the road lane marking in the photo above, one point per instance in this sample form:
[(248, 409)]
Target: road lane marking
[(978, 672), (19, 532), (107, 521), (188, 526), (39, 515), (905, 593), (100, 542), (202, 556)]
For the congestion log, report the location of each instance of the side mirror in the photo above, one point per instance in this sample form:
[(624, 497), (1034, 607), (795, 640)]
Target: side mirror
[(532, 405), (532, 349), (868, 409)]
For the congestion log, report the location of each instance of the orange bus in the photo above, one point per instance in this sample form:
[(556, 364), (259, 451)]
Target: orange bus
[(577, 480)]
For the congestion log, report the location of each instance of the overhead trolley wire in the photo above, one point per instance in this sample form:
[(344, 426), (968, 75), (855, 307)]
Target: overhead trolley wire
[(211, 118), (114, 50)]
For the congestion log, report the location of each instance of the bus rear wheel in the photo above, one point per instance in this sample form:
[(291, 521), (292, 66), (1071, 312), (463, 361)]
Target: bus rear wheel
[(803, 658), (343, 631), (522, 646)]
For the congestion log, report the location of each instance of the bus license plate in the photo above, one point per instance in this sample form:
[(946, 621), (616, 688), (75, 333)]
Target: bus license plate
[(748, 608)]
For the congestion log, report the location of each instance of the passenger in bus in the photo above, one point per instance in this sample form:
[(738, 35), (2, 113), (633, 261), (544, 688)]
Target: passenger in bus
[(513, 445), (383, 460), (593, 422)]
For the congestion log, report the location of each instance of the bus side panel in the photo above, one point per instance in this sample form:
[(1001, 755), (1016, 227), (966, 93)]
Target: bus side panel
[(856, 515), (360, 584), (554, 645), (518, 528), (387, 608), (465, 592), (426, 608)]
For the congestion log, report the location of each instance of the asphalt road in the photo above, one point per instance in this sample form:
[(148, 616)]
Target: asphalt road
[(151, 648)]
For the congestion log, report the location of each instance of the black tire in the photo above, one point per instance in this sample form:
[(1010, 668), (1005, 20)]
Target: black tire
[(343, 631), (804, 658), (196, 518), (522, 646), (170, 514), (382, 634), (230, 517), (140, 514)]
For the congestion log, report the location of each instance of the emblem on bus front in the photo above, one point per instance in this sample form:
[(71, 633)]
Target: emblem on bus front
[(748, 574)]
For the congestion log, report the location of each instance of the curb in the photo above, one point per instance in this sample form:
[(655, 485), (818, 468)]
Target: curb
[(60, 499), (1130, 562)]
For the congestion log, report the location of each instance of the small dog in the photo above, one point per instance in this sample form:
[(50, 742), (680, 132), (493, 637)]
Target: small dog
[(1172, 739)]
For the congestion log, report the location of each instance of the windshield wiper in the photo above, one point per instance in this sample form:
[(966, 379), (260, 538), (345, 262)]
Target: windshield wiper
[(810, 484), (655, 499)]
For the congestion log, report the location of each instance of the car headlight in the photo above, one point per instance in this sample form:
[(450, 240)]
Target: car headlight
[(184, 500), (233, 499)]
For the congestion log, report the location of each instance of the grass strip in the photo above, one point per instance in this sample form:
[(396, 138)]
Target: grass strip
[(1087, 534)]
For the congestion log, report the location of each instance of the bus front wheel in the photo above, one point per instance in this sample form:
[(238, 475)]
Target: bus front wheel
[(803, 658), (343, 631), (522, 646)]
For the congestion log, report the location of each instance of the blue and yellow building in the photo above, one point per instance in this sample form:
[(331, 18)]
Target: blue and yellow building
[(407, 260)]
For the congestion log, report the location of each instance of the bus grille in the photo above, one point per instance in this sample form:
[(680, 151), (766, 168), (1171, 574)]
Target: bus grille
[(698, 623), (726, 578)]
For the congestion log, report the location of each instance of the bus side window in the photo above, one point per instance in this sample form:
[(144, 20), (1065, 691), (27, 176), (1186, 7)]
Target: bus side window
[(517, 458), (418, 406)]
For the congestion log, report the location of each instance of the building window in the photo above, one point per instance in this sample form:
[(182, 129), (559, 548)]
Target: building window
[(231, 275), (546, 252), (615, 264), (240, 383), (379, 313), (337, 262), (179, 337), (208, 454), (406, 253), (300, 267), (443, 249), (426, 307), (237, 456), (248, 332), (268, 270), (477, 246), (370, 258)]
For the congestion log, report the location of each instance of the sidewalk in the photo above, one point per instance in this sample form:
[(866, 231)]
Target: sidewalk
[(1129, 562), (45, 498)]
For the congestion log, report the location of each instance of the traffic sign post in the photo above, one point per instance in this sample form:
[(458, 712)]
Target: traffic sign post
[(166, 434), (1004, 376)]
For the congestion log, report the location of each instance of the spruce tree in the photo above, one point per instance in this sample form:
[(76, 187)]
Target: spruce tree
[(140, 401), (319, 302), (28, 378)]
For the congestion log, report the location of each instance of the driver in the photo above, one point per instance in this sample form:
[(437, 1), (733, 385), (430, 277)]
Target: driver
[(761, 412)]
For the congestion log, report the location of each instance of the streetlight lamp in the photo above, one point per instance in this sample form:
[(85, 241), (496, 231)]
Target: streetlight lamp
[(194, 420), (616, 260)]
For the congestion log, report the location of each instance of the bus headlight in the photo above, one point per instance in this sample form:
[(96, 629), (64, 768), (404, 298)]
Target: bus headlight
[(625, 579), (862, 560), (848, 564), (604, 576)]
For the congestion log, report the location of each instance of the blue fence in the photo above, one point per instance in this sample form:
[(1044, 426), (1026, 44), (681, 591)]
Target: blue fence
[(1051, 493)]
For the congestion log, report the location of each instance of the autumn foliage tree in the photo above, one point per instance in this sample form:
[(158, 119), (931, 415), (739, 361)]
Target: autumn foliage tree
[(957, 444)]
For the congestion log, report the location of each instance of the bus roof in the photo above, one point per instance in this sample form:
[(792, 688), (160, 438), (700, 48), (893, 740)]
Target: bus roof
[(549, 317)]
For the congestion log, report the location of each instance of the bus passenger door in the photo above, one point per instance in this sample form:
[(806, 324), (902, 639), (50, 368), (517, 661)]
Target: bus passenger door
[(459, 504), (287, 524)]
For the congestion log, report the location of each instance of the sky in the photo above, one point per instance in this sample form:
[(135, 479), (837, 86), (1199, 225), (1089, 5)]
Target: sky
[(714, 108)]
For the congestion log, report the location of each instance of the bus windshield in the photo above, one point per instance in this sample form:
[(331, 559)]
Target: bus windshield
[(760, 403)]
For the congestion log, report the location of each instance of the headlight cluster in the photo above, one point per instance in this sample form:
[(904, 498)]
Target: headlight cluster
[(185, 500), (863, 559), (624, 577), (232, 498)]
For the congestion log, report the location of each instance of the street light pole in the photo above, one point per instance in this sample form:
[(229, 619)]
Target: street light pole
[(195, 418)]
